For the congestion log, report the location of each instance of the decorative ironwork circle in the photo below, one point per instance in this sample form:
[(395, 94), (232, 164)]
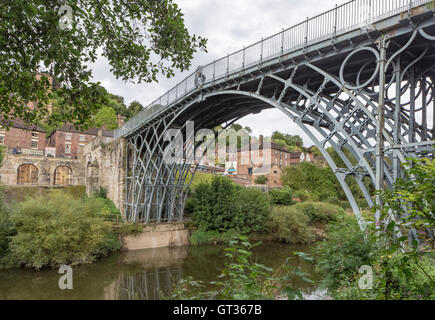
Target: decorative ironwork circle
[(376, 54)]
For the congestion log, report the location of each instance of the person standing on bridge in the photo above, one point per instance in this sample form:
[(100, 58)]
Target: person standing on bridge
[(199, 77)]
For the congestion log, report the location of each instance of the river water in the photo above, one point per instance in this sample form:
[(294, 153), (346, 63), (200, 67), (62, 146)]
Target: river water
[(144, 274)]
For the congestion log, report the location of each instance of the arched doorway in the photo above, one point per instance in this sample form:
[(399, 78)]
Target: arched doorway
[(27, 174), (63, 176)]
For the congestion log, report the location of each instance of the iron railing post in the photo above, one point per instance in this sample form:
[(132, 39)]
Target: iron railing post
[(306, 32), (380, 128), (228, 64), (282, 41), (261, 54)]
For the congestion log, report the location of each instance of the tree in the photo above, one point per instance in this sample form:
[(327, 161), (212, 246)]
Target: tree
[(261, 180), (292, 143), (106, 117), (133, 109), (65, 37)]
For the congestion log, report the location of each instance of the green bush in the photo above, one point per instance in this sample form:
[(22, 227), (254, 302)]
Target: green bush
[(255, 211), (261, 180), (106, 206), (59, 229), (6, 229), (302, 195), (101, 193), (189, 207), (282, 196), (344, 251), (319, 211), (290, 225), (221, 206), (76, 191)]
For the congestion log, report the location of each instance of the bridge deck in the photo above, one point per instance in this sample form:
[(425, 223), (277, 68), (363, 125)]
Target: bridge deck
[(319, 35)]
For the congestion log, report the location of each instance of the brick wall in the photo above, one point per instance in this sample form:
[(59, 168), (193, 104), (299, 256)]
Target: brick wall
[(22, 138), (59, 139)]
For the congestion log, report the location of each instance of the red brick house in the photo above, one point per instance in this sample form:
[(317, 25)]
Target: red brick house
[(67, 140), (22, 138)]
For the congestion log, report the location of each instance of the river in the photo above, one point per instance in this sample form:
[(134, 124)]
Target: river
[(144, 274)]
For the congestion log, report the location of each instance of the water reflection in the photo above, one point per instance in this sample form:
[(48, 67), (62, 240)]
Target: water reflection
[(147, 285), (147, 274)]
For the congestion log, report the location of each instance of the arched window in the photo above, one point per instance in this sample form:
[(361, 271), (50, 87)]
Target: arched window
[(63, 176), (27, 174)]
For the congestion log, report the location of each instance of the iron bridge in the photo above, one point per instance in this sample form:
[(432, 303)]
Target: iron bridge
[(359, 78)]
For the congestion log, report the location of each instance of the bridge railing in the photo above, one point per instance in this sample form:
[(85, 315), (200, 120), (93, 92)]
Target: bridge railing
[(342, 18)]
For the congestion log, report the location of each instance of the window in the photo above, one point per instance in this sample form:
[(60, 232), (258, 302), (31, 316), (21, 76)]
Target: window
[(2, 136), (68, 136), (35, 140), (82, 144), (82, 138), (67, 147)]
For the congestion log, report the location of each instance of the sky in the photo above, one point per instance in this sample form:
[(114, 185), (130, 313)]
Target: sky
[(228, 25)]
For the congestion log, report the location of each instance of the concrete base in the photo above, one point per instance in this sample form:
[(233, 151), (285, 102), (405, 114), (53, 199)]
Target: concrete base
[(157, 236)]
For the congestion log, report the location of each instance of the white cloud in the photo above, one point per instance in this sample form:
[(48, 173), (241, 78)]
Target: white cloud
[(228, 25)]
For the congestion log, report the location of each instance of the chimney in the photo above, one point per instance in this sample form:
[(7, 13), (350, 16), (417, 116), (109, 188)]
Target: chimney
[(100, 132), (121, 120)]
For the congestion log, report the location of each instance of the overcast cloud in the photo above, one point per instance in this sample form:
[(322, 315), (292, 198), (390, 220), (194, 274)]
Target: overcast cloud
[(228, 25)]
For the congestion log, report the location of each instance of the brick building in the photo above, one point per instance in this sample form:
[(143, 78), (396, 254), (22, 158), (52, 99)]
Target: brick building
[(67, 140), (21, 138)]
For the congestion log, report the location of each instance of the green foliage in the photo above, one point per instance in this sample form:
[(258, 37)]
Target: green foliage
[(200, 238), (129, 228), (291, 143), (221, 206), (106, 207), (76, 191), (101, 193), (319, 212), (128, 35), (290, 226), (344, 252), (133, 109), (261, 180), (199, 178), (107, 117), (413, 196), (189, 206), (321, 183), (7, 229), (282, 196), (243, 278), (58, 229), (400, 271), (2, 154), (255, 211), (216, 205)]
